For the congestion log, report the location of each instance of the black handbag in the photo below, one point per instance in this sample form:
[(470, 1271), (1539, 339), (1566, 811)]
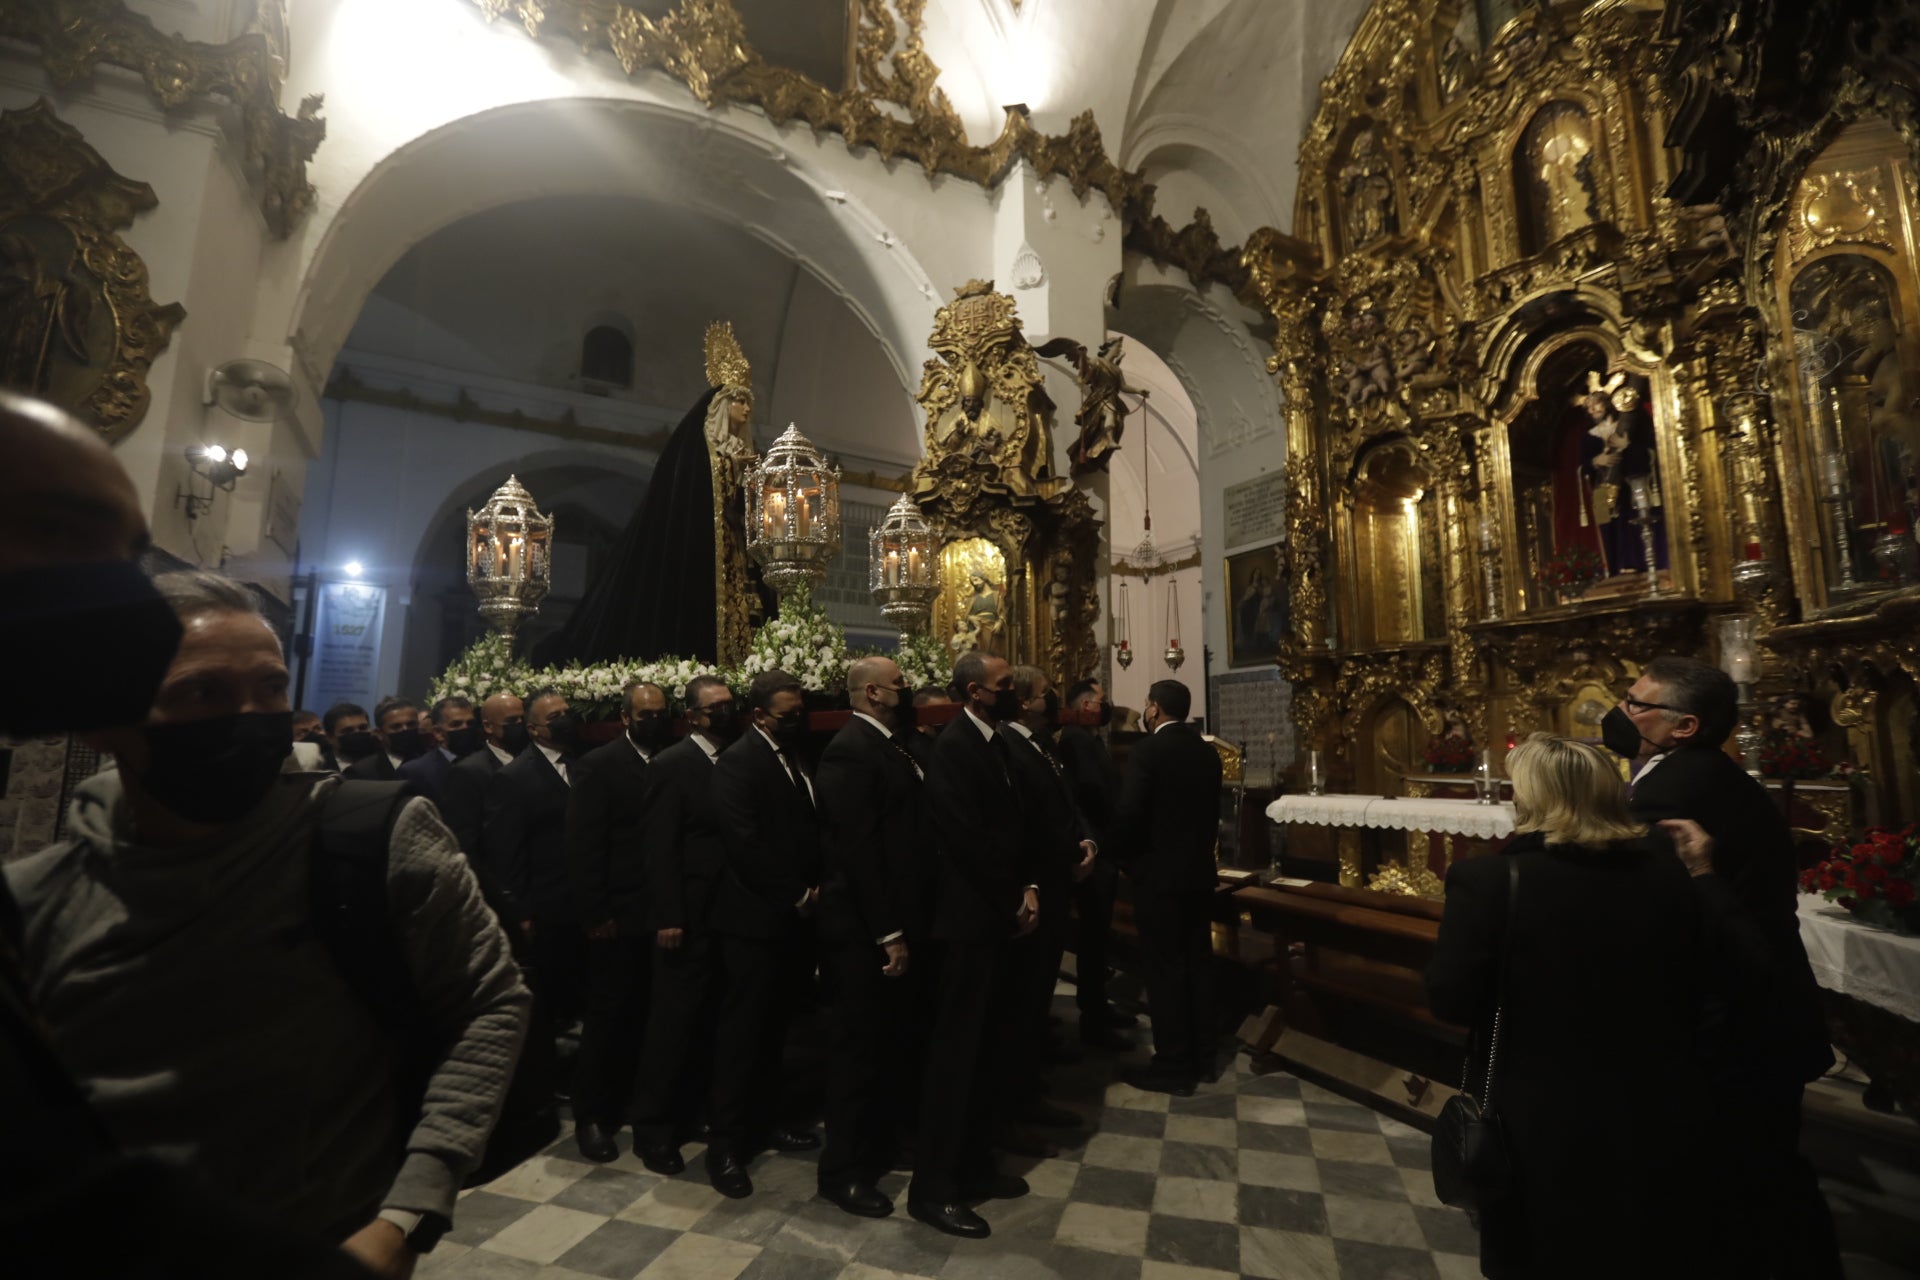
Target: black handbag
[(1472, 1167)]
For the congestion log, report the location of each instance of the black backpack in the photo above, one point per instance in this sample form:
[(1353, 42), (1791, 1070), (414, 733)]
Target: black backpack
[(349, 902)]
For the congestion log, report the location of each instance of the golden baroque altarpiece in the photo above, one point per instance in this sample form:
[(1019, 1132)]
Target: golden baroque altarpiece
[(1556, 406)]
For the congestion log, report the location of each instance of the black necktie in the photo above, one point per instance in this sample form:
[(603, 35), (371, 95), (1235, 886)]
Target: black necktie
[(1006, 759), (793, 774)]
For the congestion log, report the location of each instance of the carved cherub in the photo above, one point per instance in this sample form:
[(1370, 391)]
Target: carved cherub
[(1059, 592), (1412, 353), (1370, 374)]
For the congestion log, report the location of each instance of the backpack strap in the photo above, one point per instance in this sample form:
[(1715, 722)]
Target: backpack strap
[(348, 875)]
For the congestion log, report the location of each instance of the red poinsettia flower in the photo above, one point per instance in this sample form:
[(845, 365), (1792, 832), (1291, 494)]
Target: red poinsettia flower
[(1899, 893)]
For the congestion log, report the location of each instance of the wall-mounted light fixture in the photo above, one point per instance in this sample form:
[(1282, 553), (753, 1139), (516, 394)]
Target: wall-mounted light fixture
[(218, 466)]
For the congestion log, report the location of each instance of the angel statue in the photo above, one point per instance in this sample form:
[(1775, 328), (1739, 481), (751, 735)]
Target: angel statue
[(679, 581), (1102, 414)]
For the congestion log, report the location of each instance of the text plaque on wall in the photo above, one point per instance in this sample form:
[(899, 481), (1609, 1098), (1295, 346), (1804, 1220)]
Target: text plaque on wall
[(346, 644), (1256, 510)]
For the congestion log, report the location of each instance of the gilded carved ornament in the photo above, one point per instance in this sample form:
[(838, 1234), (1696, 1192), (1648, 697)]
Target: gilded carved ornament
[(1846, 207), (73, 37), (77, 325), (894, 107)]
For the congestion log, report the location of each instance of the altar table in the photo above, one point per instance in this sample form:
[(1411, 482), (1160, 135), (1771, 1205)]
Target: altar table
[(1349, 815), (1870, 980)]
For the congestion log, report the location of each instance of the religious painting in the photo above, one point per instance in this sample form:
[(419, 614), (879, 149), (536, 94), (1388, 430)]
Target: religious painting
[(971, 611), (1858, 400), (1259, 616), (77, 326)]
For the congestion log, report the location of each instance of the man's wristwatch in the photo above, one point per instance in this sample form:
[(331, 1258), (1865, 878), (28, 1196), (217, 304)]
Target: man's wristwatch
[(422, 1230)]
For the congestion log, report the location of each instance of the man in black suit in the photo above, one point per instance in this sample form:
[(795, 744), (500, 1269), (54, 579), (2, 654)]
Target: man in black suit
[(1063, 853), (988, 894), (1672, 722), (1096, 783), (523, 848), (463, 791), (608, 882), (351, 730), (458, 737), (874, 911), (1165, 828), (683, 849), (396, 727), (762, 919)]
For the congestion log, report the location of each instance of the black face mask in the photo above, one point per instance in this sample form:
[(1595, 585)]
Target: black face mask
[(722, 720), (358, 745), (93, 642), (651, 733), (1006, 705), (1619, 735), (406, 743), (463, 742), (216, 771), (903, 713), (564, 730), (790, 728), (513, 738)]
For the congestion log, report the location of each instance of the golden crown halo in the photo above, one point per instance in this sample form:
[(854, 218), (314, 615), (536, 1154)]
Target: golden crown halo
[(726, 362)]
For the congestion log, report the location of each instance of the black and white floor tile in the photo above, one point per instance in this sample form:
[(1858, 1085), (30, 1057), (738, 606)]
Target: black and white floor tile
[(1261, 1176)]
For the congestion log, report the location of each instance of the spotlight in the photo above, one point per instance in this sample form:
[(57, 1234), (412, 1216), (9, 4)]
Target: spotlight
[(218, 466), (354, 568)]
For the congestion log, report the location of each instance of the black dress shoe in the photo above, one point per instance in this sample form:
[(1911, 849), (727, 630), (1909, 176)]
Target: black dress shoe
[(955, 1219), (596, 1144), (1050, 1114), (862, 1199), (1151, 1081), (995, 1186), (793, 1140), (662, 1158), (1096, 1036), (728, 1176)]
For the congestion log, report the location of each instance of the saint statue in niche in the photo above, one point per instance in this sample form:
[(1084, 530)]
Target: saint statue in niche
[(1366, 192), (983, 616), (1556, 172), (1607, 456), (1860, 410)]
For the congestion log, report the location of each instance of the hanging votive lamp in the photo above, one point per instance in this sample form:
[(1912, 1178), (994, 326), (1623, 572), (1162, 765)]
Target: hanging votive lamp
[(509, 557), (1122, 625), (793, 513), (903, 572), (1174, 655)]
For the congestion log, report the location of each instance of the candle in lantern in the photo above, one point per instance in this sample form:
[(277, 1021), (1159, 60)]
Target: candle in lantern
[(776, 518), (891, 576), (913, 565), (1740, 667), (802, 516)]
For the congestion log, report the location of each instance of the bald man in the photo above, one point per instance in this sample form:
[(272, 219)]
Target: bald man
[(79, 612), (873, 913)]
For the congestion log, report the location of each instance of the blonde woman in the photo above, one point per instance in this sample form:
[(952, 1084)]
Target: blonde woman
[(1599, 1011)]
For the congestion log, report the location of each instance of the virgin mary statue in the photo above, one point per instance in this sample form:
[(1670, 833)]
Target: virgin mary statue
[(678, 582)]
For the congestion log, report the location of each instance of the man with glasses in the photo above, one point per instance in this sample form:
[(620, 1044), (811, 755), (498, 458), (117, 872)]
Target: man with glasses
[(1672, 724)]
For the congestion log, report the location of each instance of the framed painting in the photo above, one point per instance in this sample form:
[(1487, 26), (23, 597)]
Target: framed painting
[(1259, 612)]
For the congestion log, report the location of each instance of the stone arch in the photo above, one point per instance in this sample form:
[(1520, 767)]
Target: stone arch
[(594, 146)]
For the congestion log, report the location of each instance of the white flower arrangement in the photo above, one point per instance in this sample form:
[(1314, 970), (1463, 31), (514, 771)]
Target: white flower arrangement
[(926, 663), (801, 642)]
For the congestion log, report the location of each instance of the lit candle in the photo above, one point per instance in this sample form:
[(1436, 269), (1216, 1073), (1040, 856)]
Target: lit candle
[(1833, 474), (891, 577), (913, 565), (776, 520), (1740, 667), (803, 517)]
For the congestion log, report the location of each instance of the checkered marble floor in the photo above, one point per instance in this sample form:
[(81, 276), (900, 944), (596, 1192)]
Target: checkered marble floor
[(1259, 1176)]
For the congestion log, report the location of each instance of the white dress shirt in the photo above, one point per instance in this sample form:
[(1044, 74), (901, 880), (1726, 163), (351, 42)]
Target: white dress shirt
[(558, 761), (500, 753)]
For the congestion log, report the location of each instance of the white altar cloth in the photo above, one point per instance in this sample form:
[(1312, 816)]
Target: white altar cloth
[(1858, 960), (1452, 817)]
